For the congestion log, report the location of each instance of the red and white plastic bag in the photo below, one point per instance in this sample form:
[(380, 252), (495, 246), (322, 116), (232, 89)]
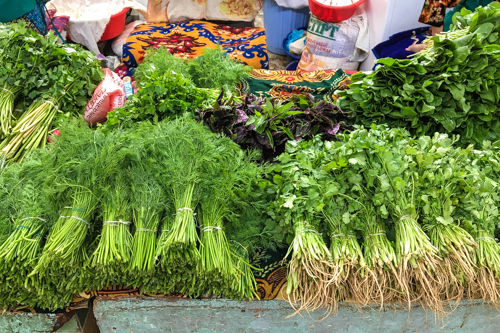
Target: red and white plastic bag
[(109, 94)]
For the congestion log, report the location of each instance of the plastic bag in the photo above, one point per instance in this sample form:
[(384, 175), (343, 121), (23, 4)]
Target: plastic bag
[(109, 94)]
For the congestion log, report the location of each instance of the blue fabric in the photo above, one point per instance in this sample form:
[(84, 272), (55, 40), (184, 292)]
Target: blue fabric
[(293, 36), (37, 18), (396, 46)]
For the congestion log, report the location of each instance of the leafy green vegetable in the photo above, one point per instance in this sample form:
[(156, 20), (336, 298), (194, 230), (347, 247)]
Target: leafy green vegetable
[(214, 69), (451, 87), (161, 96), (437, 202), (483, 20), (267, 124), (48, 78)]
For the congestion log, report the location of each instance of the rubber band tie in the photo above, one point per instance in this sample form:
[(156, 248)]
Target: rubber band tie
[(382, 233), (22, 226), (211, 228), (115, 223), (34, 218), (76, 218), (485, 238), (52, 103), (10, 92), (310, 230), (75, 209), (240, 247)]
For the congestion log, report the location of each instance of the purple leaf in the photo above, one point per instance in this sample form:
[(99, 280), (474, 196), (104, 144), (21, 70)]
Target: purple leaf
[(301, 130), (334, 130), (241, 132), (242, 117), (263, 140)]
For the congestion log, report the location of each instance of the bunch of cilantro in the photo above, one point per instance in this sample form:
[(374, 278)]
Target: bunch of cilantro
[(425, 208)]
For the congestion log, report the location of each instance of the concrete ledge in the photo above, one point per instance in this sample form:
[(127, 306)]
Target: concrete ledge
[(146, 314), (27, 322)]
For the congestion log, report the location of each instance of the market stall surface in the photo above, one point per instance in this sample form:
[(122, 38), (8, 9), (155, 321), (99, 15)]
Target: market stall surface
[(134, 314)]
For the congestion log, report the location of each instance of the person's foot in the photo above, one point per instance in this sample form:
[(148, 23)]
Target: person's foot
[(415, 48)]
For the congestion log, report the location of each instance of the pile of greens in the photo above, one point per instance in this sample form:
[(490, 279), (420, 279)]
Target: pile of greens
[(170, 207), (451, 87), (169, 87), (482, 19), (214, 69), (49, 81), (423, 210), (266, 124)]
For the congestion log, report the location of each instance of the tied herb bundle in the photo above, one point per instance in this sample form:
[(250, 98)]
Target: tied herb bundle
[(347, 259), (479, 210), (150, 202), (442, 167), (180, 250), (21, 250), (62, 264), (165, 278), (180, 157), (69, 232), (395, 190), (72, 188), (30, 132), (18, 256), (353, 191), (243, 284), (208, 176), (113, 253), (318, 276), (124, 151), (308, 269), (216, 262), (228, 183), (46, 77), (23, 55)]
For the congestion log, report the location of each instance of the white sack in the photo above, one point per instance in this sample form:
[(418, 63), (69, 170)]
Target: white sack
[(336, 45)]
